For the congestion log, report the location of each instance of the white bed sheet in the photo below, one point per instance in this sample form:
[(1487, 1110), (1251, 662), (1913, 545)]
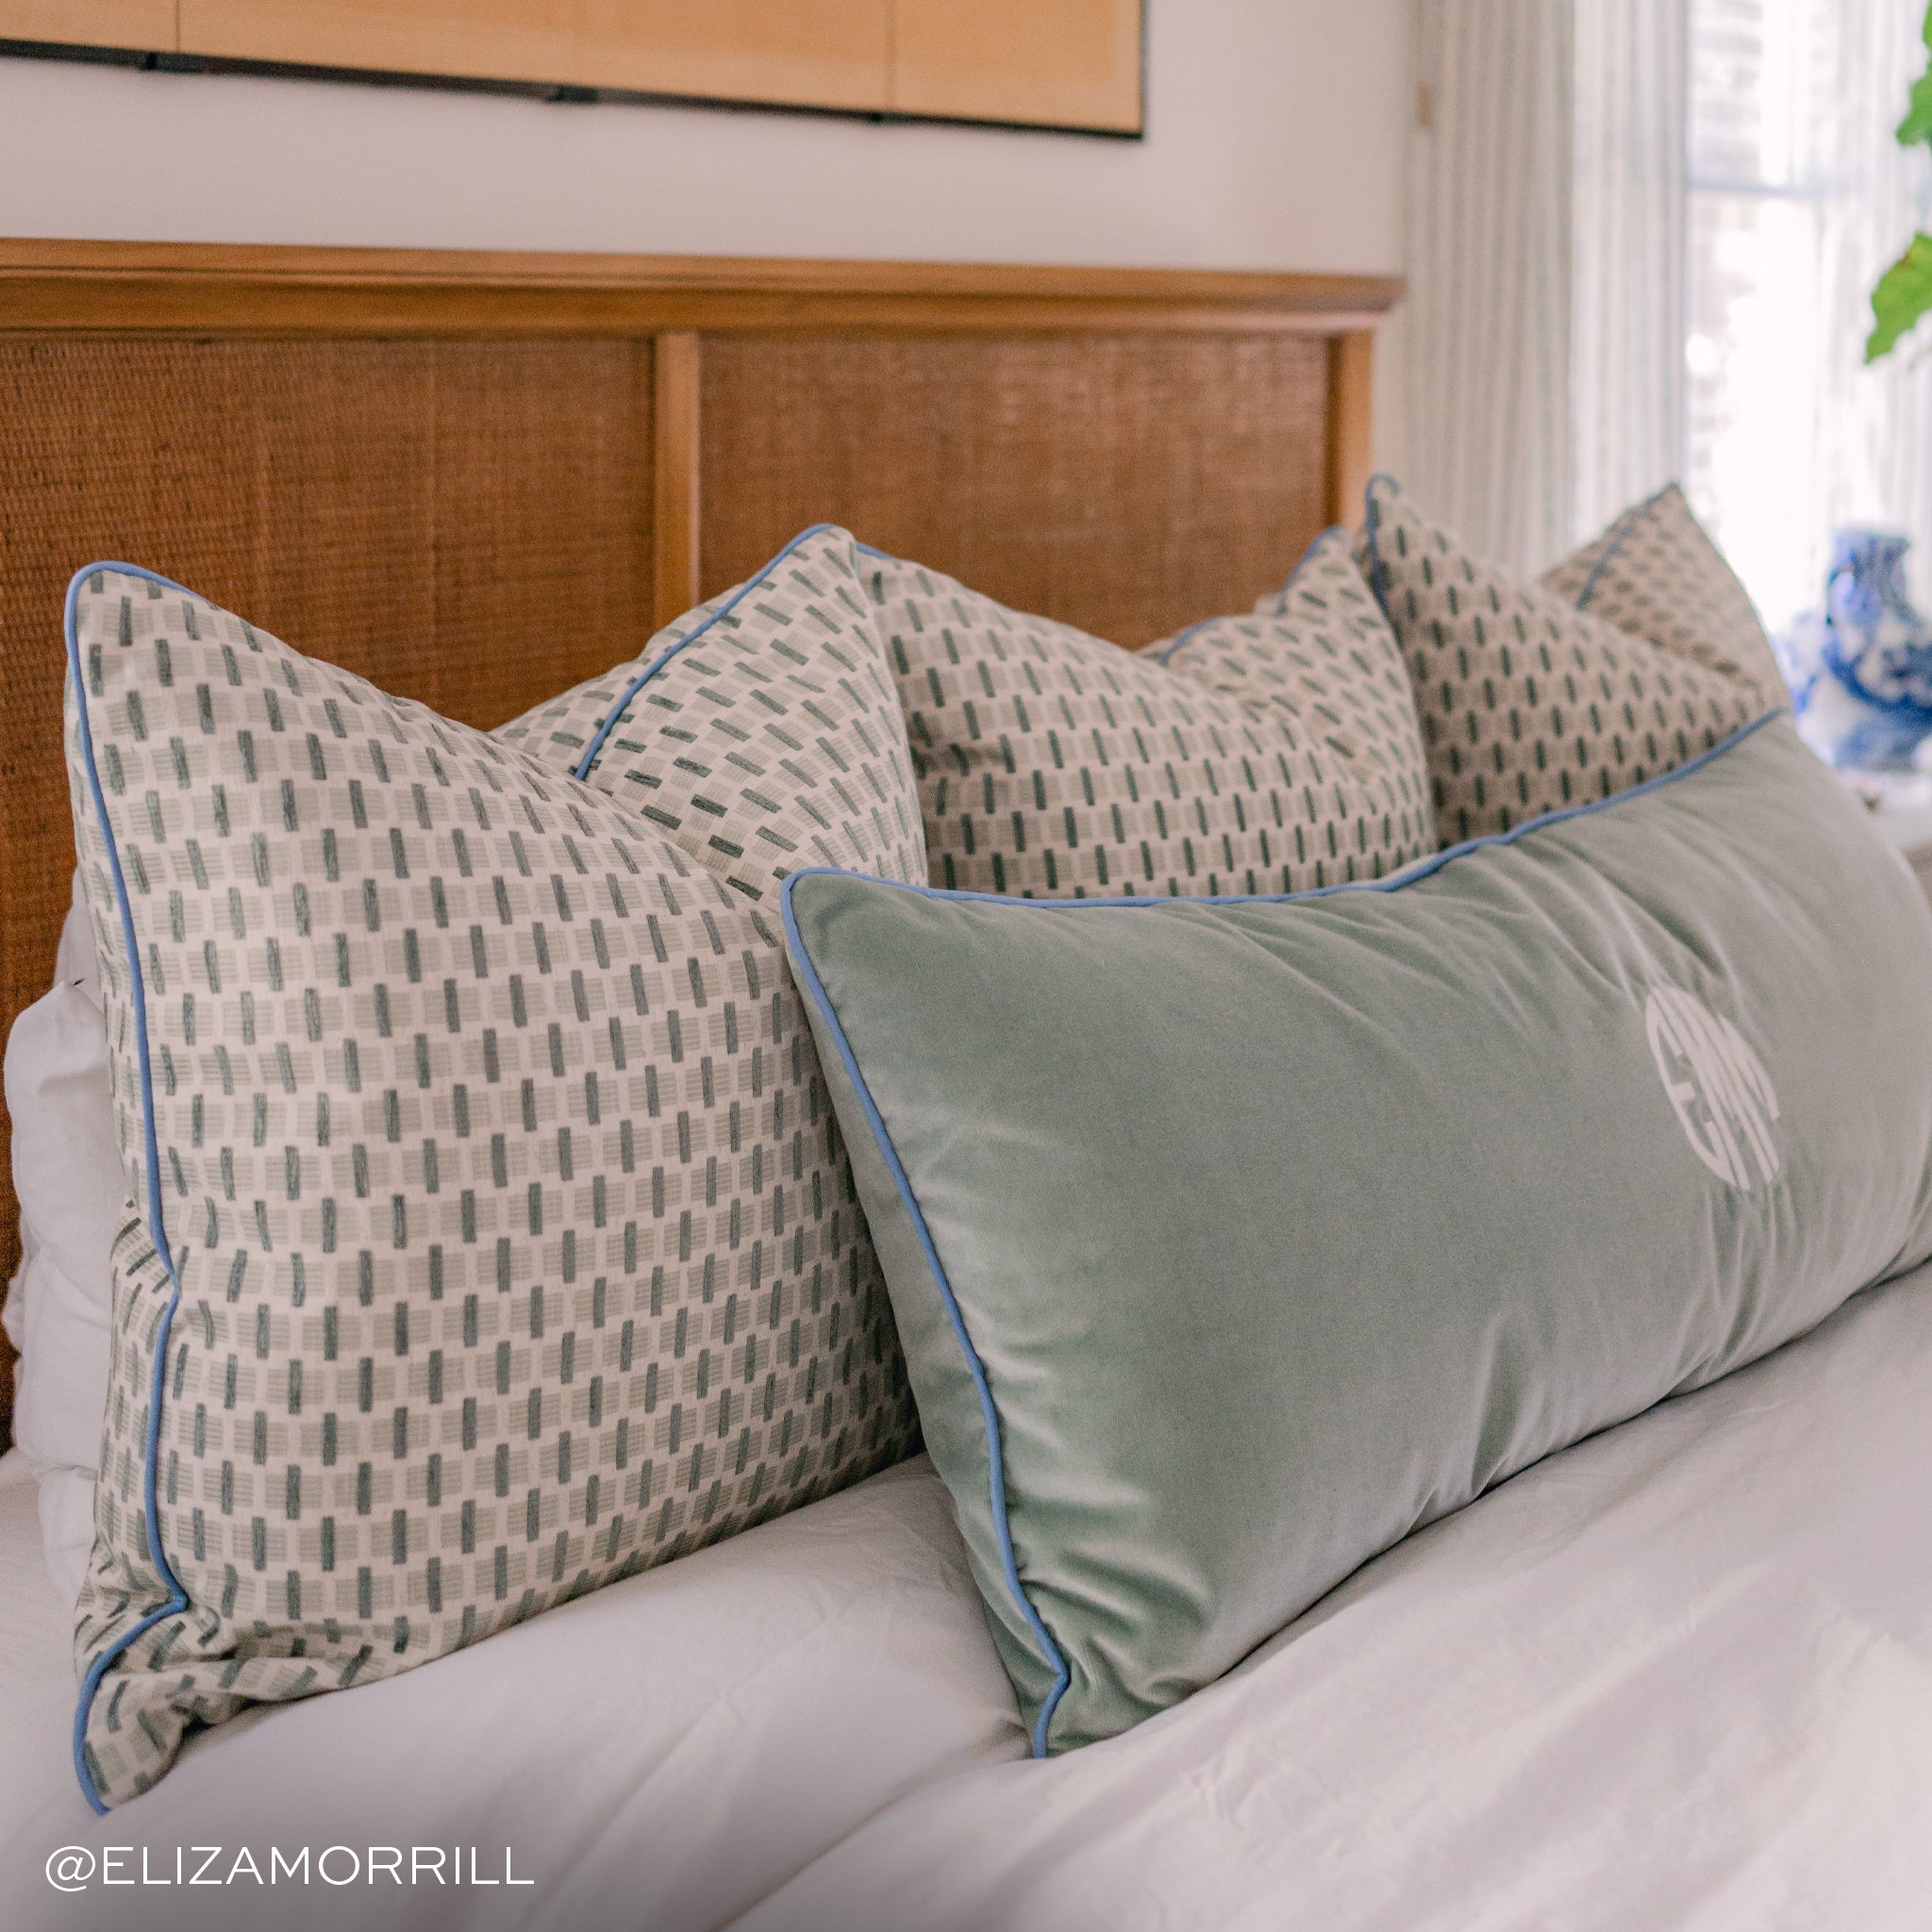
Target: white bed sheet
[(36, 1684), (1677, 1677), (659, 1754)]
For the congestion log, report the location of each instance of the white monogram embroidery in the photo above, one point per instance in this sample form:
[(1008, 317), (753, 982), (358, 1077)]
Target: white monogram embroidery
[(1718, 1086)]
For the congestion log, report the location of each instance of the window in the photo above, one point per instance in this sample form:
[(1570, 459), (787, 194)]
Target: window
[(1797, 198)]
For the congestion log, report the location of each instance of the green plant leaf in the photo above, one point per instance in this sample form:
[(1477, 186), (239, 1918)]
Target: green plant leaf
[(1903, 295), (1927, 33), (1917, 125)]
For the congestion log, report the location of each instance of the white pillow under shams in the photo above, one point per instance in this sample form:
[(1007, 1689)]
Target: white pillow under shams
[(60, 1328), (67, 1527), (75, 963), (67, 1175)]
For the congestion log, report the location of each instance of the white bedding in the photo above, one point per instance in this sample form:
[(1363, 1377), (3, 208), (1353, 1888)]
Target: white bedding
[(1677, 1677), (659, 1754)]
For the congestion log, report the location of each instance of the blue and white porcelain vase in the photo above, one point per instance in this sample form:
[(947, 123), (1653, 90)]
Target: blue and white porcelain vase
[(1861, 669)]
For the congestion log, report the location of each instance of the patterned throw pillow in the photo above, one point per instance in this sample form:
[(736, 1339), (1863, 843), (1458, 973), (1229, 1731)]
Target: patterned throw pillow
[(488, 1235), (1274, 751), (1655, 573), (1320, 648), (1527, 705), (778, 742)]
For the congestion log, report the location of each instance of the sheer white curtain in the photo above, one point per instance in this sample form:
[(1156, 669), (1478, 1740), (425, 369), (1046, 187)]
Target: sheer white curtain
[(1626, 257), (1488, 329), (1643, 237), (1546, 307)]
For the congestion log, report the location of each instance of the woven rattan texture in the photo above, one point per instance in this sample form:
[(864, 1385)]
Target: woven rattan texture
[(1123, 484), (466, 522)]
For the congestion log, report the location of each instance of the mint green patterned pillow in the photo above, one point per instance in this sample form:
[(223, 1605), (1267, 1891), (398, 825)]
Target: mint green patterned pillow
[(1278, 751), (1527, 704), (490, 1236), (1655, 573)]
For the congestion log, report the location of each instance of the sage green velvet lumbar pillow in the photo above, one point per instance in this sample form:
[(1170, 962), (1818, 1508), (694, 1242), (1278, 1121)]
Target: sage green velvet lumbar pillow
[(1206, 1300)]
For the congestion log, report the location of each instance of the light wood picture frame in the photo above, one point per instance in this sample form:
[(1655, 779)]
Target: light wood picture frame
[(1075, 66)]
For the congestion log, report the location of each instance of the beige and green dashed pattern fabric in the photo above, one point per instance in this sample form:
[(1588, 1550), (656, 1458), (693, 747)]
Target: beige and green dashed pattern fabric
[(771, 739), (1527, 705), (1655, 573), (1320, 649), (515, 1246), (1278, 752)]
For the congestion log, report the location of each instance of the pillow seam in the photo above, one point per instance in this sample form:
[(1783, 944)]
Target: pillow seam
[(178, 1601), (988, 1410), (582, 769), (1181, 637), (1620, 532), (1410, 875)]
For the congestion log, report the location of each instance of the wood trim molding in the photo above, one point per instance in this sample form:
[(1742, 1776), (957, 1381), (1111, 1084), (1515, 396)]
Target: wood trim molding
[(675, 477), (171, 287), (1351, 422)]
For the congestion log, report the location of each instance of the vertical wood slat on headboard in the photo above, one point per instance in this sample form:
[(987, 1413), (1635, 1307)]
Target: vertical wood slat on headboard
[(476, 479), (1351, 422), (676, 481)]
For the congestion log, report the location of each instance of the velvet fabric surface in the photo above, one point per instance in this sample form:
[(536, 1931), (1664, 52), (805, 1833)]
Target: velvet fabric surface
[(1231, 1240)]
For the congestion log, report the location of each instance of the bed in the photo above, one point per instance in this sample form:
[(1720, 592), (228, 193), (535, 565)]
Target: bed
[(1674, 1676)]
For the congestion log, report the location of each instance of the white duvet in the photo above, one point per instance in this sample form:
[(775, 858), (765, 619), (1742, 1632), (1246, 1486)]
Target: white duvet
[(1677, 1677), (659, 1754)]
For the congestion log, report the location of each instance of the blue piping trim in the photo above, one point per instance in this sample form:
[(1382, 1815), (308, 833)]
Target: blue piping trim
[(1619, 531), (1180, 637), (996, 1478), (1410, 875), (882, 1138), (723, 610), (178, 1601), (1379, 571)]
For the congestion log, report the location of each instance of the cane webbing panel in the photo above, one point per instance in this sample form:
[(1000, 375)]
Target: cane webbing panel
[(464, 444), (466, 522), (1123, 484)]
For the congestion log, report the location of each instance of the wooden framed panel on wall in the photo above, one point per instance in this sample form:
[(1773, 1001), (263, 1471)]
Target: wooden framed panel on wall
[(794, 53), (1072, 63), (821, 53), (496, 40), (1069, 64), (143, 24)]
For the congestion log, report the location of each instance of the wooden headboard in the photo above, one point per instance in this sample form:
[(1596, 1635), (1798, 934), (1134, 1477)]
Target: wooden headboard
[(477, 478)]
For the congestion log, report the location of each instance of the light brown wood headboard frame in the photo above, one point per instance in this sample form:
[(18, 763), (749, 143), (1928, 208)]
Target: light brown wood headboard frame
[(478, 477)]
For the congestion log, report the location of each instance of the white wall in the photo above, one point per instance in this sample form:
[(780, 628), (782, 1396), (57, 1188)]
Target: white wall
[(1277, 138)]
